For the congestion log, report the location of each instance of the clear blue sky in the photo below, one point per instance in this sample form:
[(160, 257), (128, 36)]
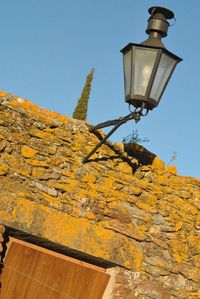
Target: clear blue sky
[(49, 46)]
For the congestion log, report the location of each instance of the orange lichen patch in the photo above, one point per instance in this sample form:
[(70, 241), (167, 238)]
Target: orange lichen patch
[(178, 225), (134, 232), (180, 250), (90, 215), (158, 164), (3, 168), (144, 206), (194, 295), (93, 239), (172, 169), (64, 187), (22, 194), (42, 135), (150, 199), (138, 259), (91, 192), (143, 184), (51, 200), (59, 160), (194, 243), (122, 167), (1, 137), (89, 178), (184, 206), (175, 215), (2, 93), (34, 109), (135, 190), (16, 164), (38, 172), (37, 163), (62, 118), (66, 172), (28, 152), (110, 194), (24, 209), (161, 180), (5, 217)]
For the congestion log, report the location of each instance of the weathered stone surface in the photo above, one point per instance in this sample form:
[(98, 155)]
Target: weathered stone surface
[(75, 233), (28, 152), (123, 206), (3, 168)]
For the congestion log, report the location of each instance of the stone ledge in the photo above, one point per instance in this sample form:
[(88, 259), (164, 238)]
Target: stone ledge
[(74, 233)]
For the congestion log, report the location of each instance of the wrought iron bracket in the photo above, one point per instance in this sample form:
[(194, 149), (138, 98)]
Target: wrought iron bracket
[(136, 115)]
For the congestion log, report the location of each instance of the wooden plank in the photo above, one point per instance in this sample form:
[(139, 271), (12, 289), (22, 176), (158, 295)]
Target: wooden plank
[(32, 272), (64, 257)]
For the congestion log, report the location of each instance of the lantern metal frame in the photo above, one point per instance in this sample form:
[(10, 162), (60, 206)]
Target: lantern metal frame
[(138, 99)]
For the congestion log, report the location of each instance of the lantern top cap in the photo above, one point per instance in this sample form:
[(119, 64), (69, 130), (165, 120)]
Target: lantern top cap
[(157, 23), (168, 14)]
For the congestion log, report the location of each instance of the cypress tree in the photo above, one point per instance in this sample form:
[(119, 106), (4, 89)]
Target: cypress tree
[(80, 111)]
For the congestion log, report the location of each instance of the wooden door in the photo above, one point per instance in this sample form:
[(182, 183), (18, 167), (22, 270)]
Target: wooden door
[(32, 272)]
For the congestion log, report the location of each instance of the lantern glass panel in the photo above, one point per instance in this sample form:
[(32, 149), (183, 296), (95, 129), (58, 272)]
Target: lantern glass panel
[(144, 63), (164, 71), (127, 72)]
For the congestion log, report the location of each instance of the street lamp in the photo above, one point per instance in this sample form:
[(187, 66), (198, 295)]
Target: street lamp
[(148, 66), (147, 69)]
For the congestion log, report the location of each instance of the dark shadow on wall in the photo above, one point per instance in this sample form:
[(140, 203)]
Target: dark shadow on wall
[(133, 154), (139, 152)]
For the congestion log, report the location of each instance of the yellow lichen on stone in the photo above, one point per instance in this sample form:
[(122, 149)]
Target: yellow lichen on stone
[(65, 187), (91, 238), (90, 215), (6, 217), (171, 168), (178, 225), (37, 163), (194, 243), (52, 200), (118, 209), (16, 164), (144, 206), (38, 172), (28, 152), (41, 134), (24, 209), (59, 160), (158, 164), (2, 93), (89, 178), (161, 179), (122, 167), (3, 168), (180, 250), (194, 295)]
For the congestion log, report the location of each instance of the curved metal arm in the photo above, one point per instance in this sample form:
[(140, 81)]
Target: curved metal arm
[(117, 122), (108, 123)]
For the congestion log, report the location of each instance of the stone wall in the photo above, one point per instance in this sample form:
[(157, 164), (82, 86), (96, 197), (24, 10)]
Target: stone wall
[(131, 214)]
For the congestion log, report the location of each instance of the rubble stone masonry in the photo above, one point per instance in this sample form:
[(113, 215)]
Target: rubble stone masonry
[(123, 208)]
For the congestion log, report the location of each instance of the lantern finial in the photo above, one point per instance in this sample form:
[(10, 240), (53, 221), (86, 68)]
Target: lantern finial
[(158, 25)]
